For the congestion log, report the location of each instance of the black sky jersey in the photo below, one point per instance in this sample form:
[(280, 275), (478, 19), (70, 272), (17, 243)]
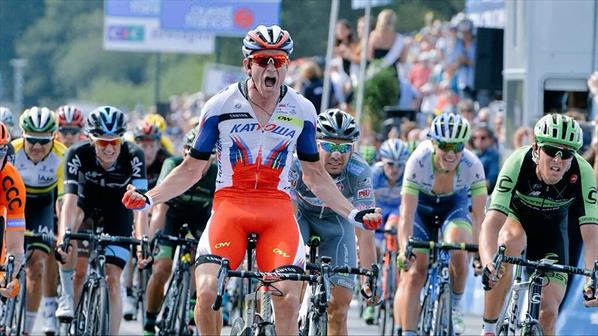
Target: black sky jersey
[(84, 172)]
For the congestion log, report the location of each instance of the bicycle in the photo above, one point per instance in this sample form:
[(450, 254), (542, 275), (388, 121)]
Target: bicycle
[(386, 321), (253, 322), (530, 325), (92, 315), (8, 324), (436, 311), (173, 313), (140, 280), (317, 316), (234, 300), (13, 319)]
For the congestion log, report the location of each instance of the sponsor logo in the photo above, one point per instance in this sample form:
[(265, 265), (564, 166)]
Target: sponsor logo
[(505, 184), (573, 178), (11, 193), (273, 128), (364, 193), (340, 186), (536, 298), (221, 245), (74, 165), (592, 196), (45, 178), (136, 164), (238, 106), (126, 33), (280, 252)]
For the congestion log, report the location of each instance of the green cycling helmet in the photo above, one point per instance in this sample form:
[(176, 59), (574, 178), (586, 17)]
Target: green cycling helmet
[(559, 129), (39, 120)]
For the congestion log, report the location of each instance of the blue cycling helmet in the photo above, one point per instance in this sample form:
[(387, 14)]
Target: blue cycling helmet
[(394, 150), (450, 127), (106, 120)]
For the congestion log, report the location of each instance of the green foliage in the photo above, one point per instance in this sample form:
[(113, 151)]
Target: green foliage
[(62, 42), (380, 90)]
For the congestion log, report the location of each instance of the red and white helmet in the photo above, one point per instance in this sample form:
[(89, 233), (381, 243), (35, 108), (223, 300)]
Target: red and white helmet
[(70, 116), (267, 38)]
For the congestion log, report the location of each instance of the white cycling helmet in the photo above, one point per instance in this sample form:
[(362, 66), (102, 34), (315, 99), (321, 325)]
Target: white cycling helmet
[(394, 150), (450, 127), (7, 117)]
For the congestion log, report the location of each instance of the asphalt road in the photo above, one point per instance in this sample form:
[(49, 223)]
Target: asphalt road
[(356, 325)]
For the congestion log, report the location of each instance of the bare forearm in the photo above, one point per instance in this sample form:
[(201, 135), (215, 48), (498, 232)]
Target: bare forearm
[(322, 185), (141, 219), (478, 203), (69, 206), (489, 235), (589, 233), (14, 246), (178, 181), (158, 218), (367, 247)]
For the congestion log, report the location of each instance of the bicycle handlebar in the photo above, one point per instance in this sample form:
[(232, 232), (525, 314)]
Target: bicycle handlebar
[(265, 277), (541, 264), (9, 268), (433, 245), (102, 239)]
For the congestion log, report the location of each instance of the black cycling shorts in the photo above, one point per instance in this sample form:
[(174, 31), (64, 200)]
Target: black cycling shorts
[(39, 217)]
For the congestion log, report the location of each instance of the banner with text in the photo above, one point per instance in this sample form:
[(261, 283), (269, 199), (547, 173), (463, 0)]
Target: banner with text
[(219, 17), (217, 76), (134, 25)]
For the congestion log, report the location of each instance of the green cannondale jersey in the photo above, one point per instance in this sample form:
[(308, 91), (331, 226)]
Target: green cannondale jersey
[(200, 194), (519, 192)]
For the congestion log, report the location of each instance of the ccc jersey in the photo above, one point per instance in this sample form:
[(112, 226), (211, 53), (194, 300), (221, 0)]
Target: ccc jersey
[(520, 193), (250, 155), (83, 172), (12, 197), (355, 183), (41, 177)]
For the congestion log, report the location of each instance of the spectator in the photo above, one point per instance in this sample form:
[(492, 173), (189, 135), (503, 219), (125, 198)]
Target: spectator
[(485, 148), (384, 42), (523, 136), (466, 108), (462, 59), (312, 85)]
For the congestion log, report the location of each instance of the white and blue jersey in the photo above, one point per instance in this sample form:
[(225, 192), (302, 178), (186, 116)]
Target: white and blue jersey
[(388, 197)]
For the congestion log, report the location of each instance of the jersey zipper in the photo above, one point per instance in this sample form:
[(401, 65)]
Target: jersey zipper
[(259, 157)]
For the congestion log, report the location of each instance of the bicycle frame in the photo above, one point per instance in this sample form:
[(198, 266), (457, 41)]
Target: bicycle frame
[(535, 285)]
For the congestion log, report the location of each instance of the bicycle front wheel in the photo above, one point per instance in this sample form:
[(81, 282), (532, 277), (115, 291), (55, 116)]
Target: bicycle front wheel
[(443, 322), (318, 325), (424, 325), (101, 314), (532, 329), (183, 308), (386, 321)]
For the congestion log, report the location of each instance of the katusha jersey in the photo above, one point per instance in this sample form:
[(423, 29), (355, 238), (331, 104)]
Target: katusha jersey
[(252, 156)]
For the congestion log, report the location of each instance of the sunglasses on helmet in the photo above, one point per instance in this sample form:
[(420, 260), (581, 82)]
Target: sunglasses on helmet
[(553, 151), (33, 140), (103, 142), (264, 60), (332, 147), (450, 146)]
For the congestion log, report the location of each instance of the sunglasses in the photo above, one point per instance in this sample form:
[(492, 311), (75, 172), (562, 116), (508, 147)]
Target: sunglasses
[(553, 151), (69, 130), (265, 60), (481, 137), (450, 146), (393, 163), (145, 138), (103, 142), (331, 147), (37, 140)]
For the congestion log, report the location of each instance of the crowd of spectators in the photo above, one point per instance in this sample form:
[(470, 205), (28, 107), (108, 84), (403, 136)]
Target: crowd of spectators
[(434, 68)]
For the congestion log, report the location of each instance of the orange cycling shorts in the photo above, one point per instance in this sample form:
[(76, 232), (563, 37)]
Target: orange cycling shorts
[(238, 213)]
